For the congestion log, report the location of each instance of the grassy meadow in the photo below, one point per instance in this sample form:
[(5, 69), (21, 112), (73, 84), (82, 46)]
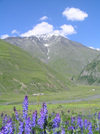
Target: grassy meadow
[(56, 101)]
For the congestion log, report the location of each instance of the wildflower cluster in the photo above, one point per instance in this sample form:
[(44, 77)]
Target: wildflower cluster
[(45, 123)]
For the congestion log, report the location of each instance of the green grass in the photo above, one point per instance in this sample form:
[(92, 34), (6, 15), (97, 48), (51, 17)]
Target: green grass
[(83, 107), (72, 94), (20, 73), (91, 73), (75, 92)]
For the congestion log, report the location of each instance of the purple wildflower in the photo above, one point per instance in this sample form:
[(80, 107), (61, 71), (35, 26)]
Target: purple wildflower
[(16, 114), (34, 117), (99, 116), (28, 126), (85, 124), (2, 130), (5, 119), (43, 116), (71, 128), (2, 115), (8, 128), (80, 122), (63, 131), (25, 107), (95, 114), (44, 106), (21, 127), (56, 121), (72, 120), (90, 128), (41, 119)]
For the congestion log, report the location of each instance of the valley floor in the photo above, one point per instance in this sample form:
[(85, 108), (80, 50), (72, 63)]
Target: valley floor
[(80, 98)]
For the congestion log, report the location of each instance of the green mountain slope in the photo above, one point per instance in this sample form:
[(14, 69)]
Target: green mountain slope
[(70, 57), (91, 73), (61, 54), (22, 73)]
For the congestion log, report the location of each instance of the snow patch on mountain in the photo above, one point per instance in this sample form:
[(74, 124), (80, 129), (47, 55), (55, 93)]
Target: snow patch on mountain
[(47, 36), (48, 58), (46, 45), (48, 50), (98, 49)]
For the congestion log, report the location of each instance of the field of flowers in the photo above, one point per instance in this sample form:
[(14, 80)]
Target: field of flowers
[(48, 123)]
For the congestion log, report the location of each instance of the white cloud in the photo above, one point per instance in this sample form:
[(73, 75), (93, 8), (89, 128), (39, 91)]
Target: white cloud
[(41, 28), (43, 18), (45, 28), (74, 14), (67, 30), (4, 36), (14, 31)]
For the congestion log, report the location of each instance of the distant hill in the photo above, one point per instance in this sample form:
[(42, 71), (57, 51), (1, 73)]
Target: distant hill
[(22, 73), (61, 54), (91, 73)]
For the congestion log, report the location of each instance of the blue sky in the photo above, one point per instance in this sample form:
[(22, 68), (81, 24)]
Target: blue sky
[(79, 20)]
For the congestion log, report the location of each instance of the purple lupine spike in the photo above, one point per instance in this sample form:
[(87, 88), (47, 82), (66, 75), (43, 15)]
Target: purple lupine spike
[(21, 127), (80, 122), (95, 114), (2, 130), (71, 128), (2, 114), (34, 117), (28, 126), (72, 120), (44, 106), (40, 121), (25, 107), (90, 128), (16, 114), (63, 131), (56, 121), (85, 124), (99, 116), (5, 119), (8, 128), (43, 116)]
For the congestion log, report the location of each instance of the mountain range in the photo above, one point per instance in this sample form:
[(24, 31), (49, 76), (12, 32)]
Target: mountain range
[(64, 56)]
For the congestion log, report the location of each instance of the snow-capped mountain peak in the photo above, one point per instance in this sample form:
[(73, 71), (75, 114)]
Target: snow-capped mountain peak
[(47, 36)]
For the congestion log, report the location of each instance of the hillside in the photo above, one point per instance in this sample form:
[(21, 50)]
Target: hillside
[(91, 73), (61, 54), (22, 73)]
